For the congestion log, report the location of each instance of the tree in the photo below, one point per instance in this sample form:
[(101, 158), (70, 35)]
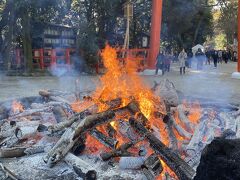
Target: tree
[(17, 19), (228, 19)]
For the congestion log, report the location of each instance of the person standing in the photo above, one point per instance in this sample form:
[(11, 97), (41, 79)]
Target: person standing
[(189, 56), (220, 54), (182, 57), (225, 56), (200, 59), (215, 58), (235, 56), (167, 61), (208, 57), (160, 63)]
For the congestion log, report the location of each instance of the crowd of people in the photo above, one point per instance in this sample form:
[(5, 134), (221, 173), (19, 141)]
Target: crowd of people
[(165, 59)]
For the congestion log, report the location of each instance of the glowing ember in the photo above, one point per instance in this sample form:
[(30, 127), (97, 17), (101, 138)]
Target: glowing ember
[(166, 170), (195, 112), (79, 106), (17, 107)]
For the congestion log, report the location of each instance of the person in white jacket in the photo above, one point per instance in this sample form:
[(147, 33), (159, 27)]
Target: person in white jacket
[(182, 57)]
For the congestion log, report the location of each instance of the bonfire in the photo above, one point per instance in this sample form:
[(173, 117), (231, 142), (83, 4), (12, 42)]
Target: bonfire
[(124, 129)]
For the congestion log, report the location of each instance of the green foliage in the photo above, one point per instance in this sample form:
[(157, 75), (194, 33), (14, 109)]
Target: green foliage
[(185, 22), (228, 19)]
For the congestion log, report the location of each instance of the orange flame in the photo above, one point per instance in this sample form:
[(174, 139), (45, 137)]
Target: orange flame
[(17, 107), (195, 112), (122, 81)]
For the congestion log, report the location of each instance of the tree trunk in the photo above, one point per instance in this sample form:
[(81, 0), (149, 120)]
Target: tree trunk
[(197, 30), (27, 44)]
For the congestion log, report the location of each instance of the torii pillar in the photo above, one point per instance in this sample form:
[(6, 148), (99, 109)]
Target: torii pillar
[(238, 68), (237, 74), (155, 33)]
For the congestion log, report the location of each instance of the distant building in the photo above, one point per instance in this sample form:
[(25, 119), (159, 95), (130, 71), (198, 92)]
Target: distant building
[(49, 36)]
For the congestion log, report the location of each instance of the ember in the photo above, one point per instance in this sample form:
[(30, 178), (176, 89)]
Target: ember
[(17, 107)]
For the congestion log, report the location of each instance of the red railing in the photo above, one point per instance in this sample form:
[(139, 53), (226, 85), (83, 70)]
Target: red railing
[(139, 55)]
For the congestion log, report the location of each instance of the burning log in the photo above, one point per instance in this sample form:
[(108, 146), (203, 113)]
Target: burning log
[(113, 104), (106, 141), (111, 131), (182, 116), (182, 132), (120, 151), (8, 172), (72, 134), (169, 126), (126, 130), (152, 167), (179, 166), (67, 123)]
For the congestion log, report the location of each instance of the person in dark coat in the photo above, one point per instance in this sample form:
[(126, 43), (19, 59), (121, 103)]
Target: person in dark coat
[(215, 58), (160, 63), (225, 56), (189, 58), (208, 57), (167, 61)]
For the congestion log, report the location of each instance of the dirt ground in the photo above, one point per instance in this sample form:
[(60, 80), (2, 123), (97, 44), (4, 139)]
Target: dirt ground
[(209, 83)]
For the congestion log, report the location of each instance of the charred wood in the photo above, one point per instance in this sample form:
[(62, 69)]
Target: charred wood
[(72, 134), (68, 122), (169, 126), (120, 151), (111, 131), (126, 130), (179, 166), (105, 140), (152, 166)]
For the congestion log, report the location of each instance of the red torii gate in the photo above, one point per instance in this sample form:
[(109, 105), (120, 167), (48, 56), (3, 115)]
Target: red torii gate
[(238, 67), (156, 22), (156, 31)]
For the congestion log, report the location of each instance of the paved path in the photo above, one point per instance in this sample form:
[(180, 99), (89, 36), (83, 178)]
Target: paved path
[(209, 83)]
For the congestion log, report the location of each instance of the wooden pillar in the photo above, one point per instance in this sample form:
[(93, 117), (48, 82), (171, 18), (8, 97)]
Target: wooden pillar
[(155, 32), (238, 67)]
